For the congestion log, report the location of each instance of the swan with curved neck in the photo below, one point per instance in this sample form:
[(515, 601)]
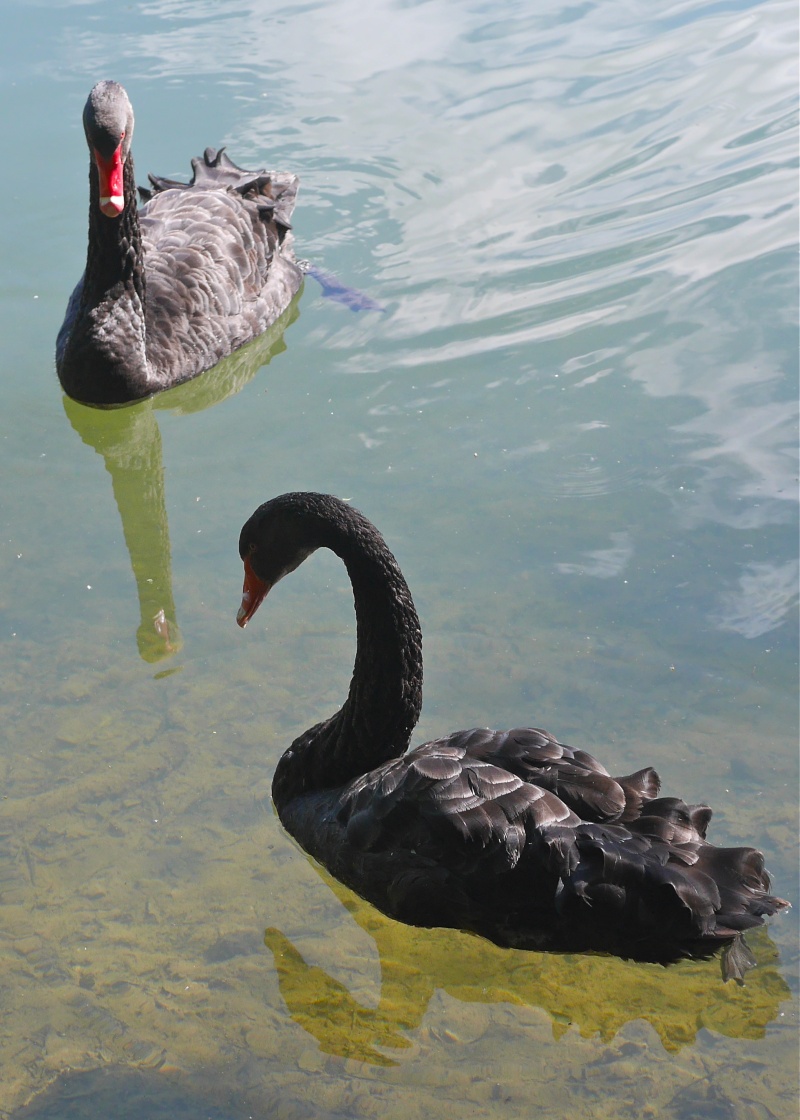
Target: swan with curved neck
[(172, 288), (510, 834)]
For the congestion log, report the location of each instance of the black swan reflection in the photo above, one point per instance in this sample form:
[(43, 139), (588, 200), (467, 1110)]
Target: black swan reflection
[(597, 994), (508, 834), (129, 443), (172, 288)]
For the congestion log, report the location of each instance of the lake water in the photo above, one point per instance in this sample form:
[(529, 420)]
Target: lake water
[(574, 420)]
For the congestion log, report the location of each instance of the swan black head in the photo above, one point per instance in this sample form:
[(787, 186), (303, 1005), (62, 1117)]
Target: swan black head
[(108, 124), (284, 532), (280, 535)]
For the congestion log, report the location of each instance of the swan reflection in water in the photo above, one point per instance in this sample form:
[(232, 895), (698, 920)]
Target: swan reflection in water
[(597, 995), (129, 441)]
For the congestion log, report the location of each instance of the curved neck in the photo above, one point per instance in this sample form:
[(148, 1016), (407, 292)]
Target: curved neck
[(385, 698)]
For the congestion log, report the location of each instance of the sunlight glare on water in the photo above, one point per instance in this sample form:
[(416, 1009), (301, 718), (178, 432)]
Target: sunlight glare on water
[(567, 397)]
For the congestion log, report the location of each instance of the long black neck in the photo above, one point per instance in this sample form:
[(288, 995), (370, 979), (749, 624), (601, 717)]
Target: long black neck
[(101, 363), (385, 698), (114, 260)]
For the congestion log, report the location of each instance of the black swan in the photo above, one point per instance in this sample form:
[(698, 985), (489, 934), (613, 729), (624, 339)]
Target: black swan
[(169, 290), (509, 834)]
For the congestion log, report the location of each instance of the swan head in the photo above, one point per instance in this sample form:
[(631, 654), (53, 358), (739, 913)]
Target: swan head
[(108, 124), (279, 536)]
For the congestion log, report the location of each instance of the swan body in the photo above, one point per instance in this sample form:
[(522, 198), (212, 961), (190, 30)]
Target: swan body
[(510, 834), (171, 288)]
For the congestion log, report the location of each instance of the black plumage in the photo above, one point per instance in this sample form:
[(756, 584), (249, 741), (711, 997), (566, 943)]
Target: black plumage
[(510, 834), (171, 288)]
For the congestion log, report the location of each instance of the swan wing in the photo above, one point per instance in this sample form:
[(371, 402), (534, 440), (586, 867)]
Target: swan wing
[(215, 275), (440, 796), (573, 775)]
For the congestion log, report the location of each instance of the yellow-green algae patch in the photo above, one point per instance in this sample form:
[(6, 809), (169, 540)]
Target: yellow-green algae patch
[(142, 869), (138, 883)]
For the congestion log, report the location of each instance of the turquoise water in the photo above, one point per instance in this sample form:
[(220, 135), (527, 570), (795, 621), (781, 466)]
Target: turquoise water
[(575, 423)]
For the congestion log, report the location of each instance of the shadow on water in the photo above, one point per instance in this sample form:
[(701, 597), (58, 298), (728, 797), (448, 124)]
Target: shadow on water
[(598, 995), (129, 441)]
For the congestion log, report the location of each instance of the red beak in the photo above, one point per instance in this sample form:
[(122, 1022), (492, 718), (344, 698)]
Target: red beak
[(253, 592), (112, 193)]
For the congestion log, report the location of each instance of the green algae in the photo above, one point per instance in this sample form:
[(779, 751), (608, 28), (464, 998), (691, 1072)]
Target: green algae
[(141, 866)]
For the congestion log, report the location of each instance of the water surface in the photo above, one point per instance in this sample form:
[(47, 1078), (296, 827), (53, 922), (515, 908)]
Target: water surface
[(574, 420)]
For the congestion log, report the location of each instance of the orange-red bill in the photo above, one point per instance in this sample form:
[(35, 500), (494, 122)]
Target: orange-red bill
[(253, 592), (112, 193)]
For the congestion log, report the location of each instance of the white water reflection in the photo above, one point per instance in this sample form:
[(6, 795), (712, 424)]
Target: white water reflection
[(766, 596), (321, 45), (603, 563)]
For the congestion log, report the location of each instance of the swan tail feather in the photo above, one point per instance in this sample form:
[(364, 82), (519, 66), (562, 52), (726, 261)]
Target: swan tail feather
[(274, 192)]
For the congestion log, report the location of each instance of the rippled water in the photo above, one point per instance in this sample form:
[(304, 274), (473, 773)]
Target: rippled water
[(575, 422)]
